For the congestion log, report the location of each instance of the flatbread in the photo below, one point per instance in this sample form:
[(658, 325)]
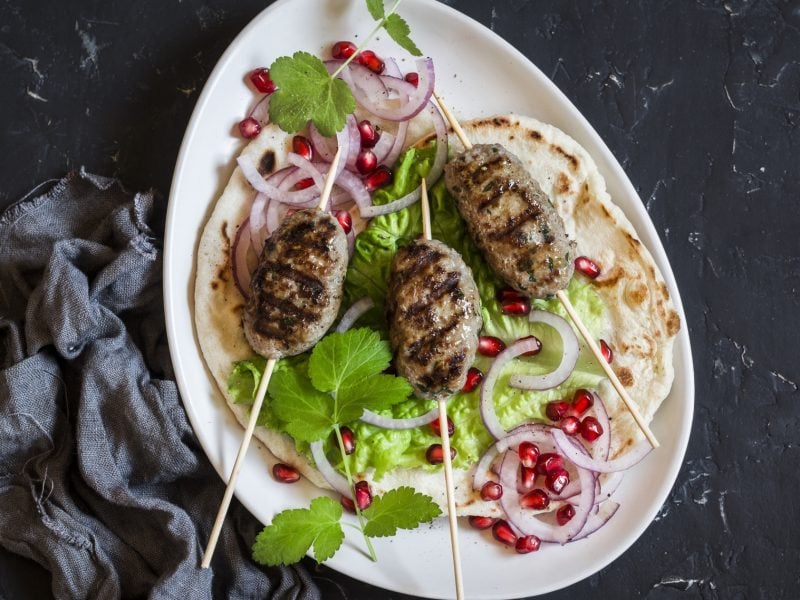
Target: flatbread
[(642, 322)]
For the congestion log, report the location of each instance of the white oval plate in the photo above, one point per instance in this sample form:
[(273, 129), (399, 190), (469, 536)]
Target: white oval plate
[(479, 74)]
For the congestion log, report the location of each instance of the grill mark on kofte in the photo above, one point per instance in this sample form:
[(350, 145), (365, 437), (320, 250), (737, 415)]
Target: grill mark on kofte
[(439, 289), (308, 283)]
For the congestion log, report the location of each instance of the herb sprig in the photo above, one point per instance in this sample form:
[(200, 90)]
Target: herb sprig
[(343, 377), (307, 92)]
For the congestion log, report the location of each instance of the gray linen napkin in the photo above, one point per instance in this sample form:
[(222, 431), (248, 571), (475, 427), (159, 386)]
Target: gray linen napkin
[(101, 479)]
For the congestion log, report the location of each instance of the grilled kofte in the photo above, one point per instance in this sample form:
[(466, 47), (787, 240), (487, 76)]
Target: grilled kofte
[(433, 310), (511, 220), (296, 290)]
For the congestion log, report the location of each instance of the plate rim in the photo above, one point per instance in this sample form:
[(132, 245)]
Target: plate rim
[(682, 344)]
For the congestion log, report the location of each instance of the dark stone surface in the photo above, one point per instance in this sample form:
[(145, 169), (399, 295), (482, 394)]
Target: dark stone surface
[(699, 100)]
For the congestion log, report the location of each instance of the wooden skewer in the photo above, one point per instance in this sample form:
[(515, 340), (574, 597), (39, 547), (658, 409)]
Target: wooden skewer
[(573, 314), (445, 433), (255, 411)]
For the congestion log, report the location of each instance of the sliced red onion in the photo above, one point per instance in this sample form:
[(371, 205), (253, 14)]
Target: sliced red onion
[(384, 146), (355, 312), (355, 188), (299, 198), (241, 244), (397, 148), (488, 413), (577, 455), (391, 423), (571, 349), (430, 179), (602, 445), (415, 98), (610, 484), (530, 432), (259, 229), (350, 143), (309, 169), (260, 111), (527, 522), (596, 521), (392, 69), (322, 145), (335, 479)]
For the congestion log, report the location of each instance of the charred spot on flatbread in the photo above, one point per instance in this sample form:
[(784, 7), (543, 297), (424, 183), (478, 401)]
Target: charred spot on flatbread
[(673, 323), (636, 293), (625, 376), (573, 161), (562, 183), (266, 163)]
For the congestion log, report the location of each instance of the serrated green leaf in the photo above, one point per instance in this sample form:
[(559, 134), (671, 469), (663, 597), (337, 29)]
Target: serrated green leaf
[(294, 531), (306, 411), (375, 393), (306, 92), (342, 359), (398, 29), (400, 508), (376, 9)]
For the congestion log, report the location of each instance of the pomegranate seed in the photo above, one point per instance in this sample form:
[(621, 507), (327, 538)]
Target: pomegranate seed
[(369, 59), (516, 307), (570, 425), (343, 50), (435, 454), (379, 178), (503, 533), (491, 490), (370, 134), (348, 440), (451, 427), (536, 499), (363, 495), (482, 522), (608, 353), (412, 78), (509, 294), (581, 402), (347, 504), (557, 480), (345, 220), (587, 266), (527, 478), (490, 346), (591, 429), (549, 461), (528, 543), (366, 162), (474, 378), (304, 183), (536, 350), (556, 409), (285, 473), (249, 128), (564, 514), (261, 81), (528, 454), (303, 147)]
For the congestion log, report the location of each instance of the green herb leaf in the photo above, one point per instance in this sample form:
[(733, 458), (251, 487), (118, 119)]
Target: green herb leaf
[(244, 379), (376, 393), (375, 8), (396, 26), (307, 92), (401, 508), (307, 412), (293, 532), (342, 359)]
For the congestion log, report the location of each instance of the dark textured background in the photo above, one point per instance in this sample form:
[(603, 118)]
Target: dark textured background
[(700, 101)]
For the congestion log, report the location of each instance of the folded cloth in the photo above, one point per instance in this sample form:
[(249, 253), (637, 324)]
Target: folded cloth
[(101, 479)]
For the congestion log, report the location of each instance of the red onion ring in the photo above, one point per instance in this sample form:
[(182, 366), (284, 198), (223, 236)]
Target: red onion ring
[(601, 447), (531, 432), (241, 244), (488, 414), (390, 423), (260, 111), (355, 312), (596, 521), (259, 230), (525, 520), (568, 359), (298, 199), (335, 479), (434, 174), (399, 144), (323, 145), (577, 456)]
